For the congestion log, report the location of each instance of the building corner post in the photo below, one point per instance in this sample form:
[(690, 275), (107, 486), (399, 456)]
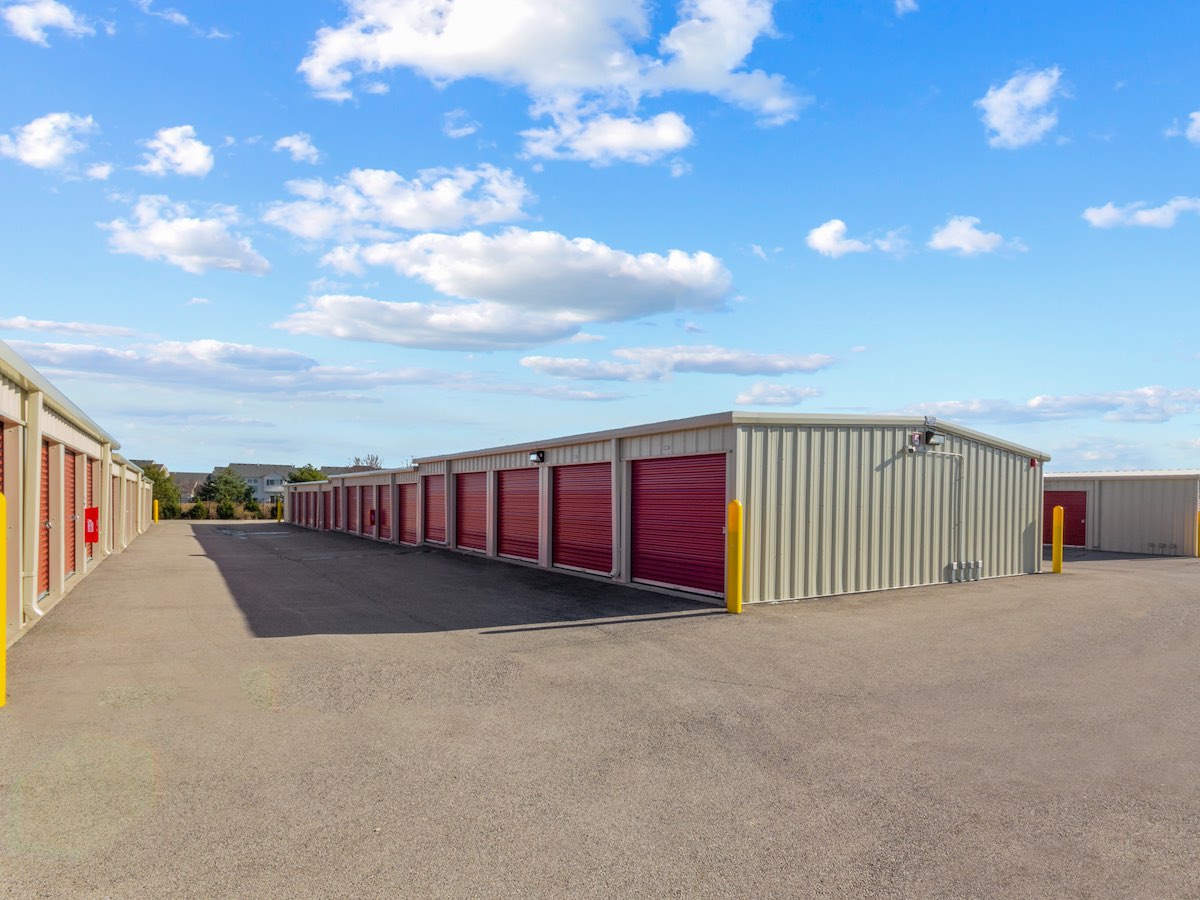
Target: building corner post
[(734, 557)]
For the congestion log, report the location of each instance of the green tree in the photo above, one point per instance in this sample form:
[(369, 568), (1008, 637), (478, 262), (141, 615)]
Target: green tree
[(226, 509), (166, 491), (225, 486), (307, 472)]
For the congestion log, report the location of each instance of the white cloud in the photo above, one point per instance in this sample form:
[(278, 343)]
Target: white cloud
[(574, 66), (830, 240), (169, 232), (1019, 111), (1110, 215), (197, 301), (962, 235), (659, 363), (758, 251), (606, 139), (300, 146), (368, 202), (174, 16), (1193, 129), (1151, 404), (894, 242), (47, 142), (176, 151), (30, 20), (22, 323), (763, 394), (457, 124), (904, 7), (99, 171)]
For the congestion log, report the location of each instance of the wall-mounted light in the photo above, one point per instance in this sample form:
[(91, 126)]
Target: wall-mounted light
[(934, 439), (537, 456)]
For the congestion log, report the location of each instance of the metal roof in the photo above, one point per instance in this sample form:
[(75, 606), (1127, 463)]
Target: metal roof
[(734, 417), (1130, 473)]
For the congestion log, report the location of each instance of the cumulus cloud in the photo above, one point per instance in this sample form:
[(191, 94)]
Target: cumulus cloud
[(23, 323), (99, 171), (176, 151), (30, 21), (457, 124), (606, 139), (371, 202), (1110, 215), (904, 7), (659, 363), (300, 146), (169, 232), (49, 141), (763, 394), (830, 240), (1019, 112), (962, 235), (573, 67), (1151, 404)]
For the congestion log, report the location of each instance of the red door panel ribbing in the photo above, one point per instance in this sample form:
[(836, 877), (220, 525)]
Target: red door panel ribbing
[(385, 512), (435, 509), (352, 510), (368, 509), (470, 505), (517, 513), (582, 517), (408, 513), (69, 513), (1074, 504), (336, 522), (91, 501), (678, 521), (43, 518), (326, 509)]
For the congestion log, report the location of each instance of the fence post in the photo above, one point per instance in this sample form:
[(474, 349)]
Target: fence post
[(734, 557), (1056, 551)]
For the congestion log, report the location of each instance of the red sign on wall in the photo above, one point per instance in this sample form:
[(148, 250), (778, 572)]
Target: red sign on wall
[(91, 525)]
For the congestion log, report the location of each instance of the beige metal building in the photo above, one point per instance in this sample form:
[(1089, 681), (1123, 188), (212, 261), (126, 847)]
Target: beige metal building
[(55, 463), (833, 504), (1152, 512)]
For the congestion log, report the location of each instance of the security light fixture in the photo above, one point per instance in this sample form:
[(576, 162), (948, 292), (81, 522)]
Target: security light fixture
[(934, 439), (537, 456)]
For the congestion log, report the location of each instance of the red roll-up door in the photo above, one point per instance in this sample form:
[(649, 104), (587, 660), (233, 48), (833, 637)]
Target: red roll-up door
[(470, 506), (91, 501), (582, 517), (408, 513), (677, 515), (326, 509), (517, 513), (69, 513), (1074, 504), (368, 510), (352, 510), (385, 512), (435, 509), (43, 519), (112, 510), (308, 509), (337, 509)]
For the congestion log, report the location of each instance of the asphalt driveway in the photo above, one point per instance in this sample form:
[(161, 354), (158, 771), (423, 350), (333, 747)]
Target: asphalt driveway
[(255, 710)]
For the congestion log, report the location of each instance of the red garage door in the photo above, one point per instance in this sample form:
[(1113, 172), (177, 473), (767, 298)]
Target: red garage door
[(517, 513), (678, 521), (1074, 504), (336, 521), (43, 522), (435, 509), (368, 510), (470, 507), (352, 510), (91, 501), (385, 512), (408, 513), (582, 517), (69, 513), (326, 510)]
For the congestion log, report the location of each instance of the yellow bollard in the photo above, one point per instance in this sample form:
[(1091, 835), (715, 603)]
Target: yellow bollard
[(734, 557), (156, 511), (3, 600), (1056, 547), (1198, 532), (278, 510)]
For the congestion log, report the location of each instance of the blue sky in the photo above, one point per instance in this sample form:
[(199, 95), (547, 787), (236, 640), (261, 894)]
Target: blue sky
[(406, 228)]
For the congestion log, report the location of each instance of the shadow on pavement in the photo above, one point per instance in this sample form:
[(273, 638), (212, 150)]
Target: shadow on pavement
[(291, 581), (1080, 554)]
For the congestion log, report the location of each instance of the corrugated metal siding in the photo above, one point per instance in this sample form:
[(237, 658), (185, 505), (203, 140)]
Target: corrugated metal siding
[(408, 512), (517, 513), (581, 515), (470, 505), (2, 485), (69, 513), (677, 527), (435, 509), (61, 431), (43, 519), (1140, 515), (842, 509), (715, 439), (385, 512), (10, 400)]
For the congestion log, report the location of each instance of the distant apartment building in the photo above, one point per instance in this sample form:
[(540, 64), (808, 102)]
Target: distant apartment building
[(266, 481)]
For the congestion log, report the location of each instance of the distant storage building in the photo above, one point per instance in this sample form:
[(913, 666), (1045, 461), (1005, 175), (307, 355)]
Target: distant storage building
[(1127, 512), (55, 464), (833, 504)]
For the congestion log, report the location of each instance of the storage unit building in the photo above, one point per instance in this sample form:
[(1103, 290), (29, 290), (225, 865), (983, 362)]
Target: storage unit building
[(833, 504), (1152, 512)]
